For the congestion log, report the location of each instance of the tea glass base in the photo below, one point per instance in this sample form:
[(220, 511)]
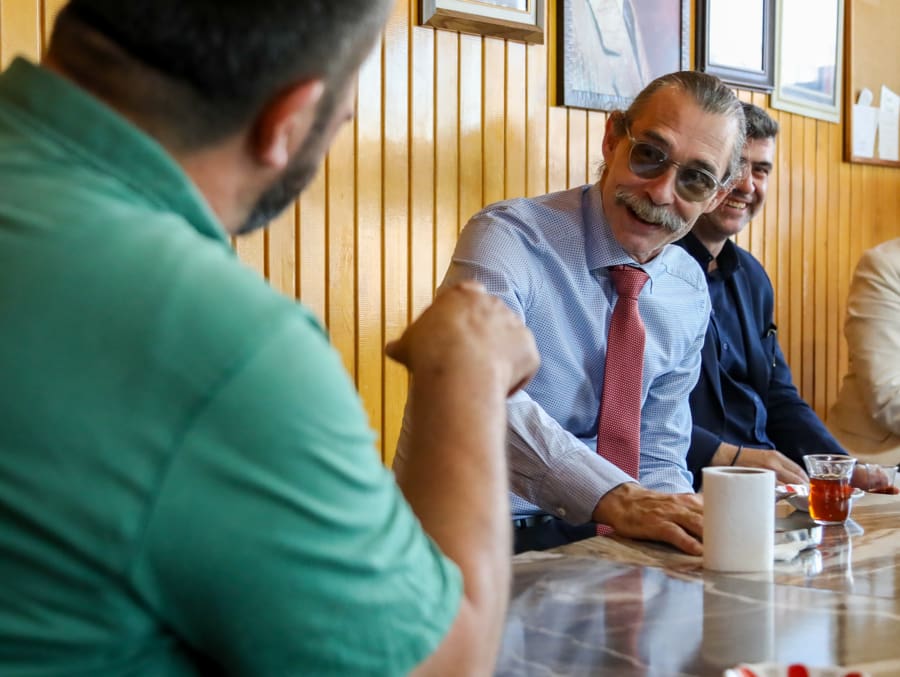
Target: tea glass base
[(828, 523)]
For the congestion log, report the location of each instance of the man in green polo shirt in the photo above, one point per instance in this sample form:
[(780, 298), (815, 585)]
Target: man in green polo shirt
[(187, 480)]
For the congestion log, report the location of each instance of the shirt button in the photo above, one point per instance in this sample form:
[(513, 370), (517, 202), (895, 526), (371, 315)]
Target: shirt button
[(561, 512), (724, 346)]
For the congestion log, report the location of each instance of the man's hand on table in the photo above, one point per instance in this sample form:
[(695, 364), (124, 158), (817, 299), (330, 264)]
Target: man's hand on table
[(786, 471), (871, 477), (635, 512)]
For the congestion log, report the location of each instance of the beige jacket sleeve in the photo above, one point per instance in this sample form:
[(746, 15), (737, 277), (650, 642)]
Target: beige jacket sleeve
[(873, 332)]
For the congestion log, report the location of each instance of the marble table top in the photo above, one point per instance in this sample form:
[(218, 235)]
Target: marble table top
[(613, 606)]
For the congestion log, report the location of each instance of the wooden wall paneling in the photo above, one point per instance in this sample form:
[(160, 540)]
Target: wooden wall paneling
[(396, 211), (807, 310), (369, 254), (819, 338), (536, 127), (281, 252), (50, 10), (446, 150), (884, 206), (471, 190), (312, 252), (576, 174), (844, 265), (834, 322), (421, 175), (341, 200), (516, 115), (596, 128), (557, 149), (494, 119), (20, 30), (780, 230), (251, 249), (794, 300)]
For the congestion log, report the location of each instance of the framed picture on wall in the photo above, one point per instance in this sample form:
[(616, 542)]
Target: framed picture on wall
[(808, 58), (509, 19), (610, 49), (736, 40)]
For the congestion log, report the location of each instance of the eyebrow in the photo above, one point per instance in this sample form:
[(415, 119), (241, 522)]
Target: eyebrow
[(665, 146), (761, 165)]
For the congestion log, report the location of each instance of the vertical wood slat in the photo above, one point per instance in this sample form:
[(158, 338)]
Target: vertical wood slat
[(421, 232), (368, 253), (446, 150), (577, 160), (536, 126), (449, 122), (494, 119), (471, 196), (395, 170), (516, 110), (20, 30)]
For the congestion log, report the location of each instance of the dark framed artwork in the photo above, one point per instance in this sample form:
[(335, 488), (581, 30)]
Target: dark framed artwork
[(809, 48), (509, 19), (610, 49), (736, 42)]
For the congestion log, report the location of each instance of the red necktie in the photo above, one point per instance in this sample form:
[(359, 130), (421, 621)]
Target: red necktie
[(619, 427)]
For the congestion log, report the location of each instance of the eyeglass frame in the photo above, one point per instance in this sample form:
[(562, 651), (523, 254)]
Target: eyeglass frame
[(726, 184)]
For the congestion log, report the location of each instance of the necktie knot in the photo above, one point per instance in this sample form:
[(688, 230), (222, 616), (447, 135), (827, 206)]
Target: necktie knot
[(628, 280)]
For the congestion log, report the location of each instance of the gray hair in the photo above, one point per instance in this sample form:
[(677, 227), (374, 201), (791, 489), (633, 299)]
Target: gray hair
[(710, 93)]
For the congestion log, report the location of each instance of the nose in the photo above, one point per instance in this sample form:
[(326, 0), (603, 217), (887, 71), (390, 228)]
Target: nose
[(661, 190), (745, 185)]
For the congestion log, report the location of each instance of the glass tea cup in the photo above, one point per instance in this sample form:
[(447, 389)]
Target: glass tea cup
[(875, 478), (829, 487)]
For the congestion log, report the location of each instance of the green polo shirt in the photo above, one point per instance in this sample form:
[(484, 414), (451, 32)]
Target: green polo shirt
[(187, 476)]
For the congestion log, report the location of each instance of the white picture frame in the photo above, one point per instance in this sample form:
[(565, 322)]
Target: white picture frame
[(809, 47)]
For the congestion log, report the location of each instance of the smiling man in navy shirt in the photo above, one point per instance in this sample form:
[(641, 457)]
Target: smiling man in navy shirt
[(746, 408)]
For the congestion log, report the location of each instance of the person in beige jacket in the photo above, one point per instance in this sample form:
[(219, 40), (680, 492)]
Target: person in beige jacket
[(866, 417)]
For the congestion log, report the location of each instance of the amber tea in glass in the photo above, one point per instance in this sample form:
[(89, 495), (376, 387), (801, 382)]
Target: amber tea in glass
[(829, 487)]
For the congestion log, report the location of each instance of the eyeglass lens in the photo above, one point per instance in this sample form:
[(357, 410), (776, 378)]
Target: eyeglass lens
[(649, 162)]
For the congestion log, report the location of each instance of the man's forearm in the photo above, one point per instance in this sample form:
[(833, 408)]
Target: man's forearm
[(455, 479)]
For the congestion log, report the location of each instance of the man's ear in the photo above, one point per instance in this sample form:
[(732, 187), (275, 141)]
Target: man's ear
[(285, 121), (611, 138)]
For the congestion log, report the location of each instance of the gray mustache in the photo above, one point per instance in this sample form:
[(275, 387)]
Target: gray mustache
[(651, 213)]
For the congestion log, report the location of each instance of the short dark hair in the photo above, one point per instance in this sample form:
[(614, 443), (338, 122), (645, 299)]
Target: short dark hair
[(759, 124), (199, 69), (708, 91)]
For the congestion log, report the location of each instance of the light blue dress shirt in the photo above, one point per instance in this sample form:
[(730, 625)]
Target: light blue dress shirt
[(547, 258)]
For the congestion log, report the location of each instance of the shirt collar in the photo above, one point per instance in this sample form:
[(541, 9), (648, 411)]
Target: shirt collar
[(726, 262), (99, 136)]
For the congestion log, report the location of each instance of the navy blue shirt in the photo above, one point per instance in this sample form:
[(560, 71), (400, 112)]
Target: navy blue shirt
[(746, 394), (745, 416)]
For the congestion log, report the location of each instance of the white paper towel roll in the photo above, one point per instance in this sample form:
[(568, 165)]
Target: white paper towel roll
[(738, 519)]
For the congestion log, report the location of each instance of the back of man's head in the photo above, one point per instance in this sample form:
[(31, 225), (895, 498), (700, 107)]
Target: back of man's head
[(195, 71), (707, 91), (759, 124)]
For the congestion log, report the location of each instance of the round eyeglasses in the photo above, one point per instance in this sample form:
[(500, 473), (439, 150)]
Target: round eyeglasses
[(691, 183)]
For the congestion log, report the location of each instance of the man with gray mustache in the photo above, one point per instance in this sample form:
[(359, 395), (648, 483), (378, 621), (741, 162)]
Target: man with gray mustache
[(667, 160)]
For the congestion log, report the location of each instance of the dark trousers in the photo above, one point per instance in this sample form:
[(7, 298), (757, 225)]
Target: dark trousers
[(543, 533)]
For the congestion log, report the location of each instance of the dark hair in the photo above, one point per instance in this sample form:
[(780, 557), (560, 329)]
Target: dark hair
[(710, 93), (199, 69), (759, 124)]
